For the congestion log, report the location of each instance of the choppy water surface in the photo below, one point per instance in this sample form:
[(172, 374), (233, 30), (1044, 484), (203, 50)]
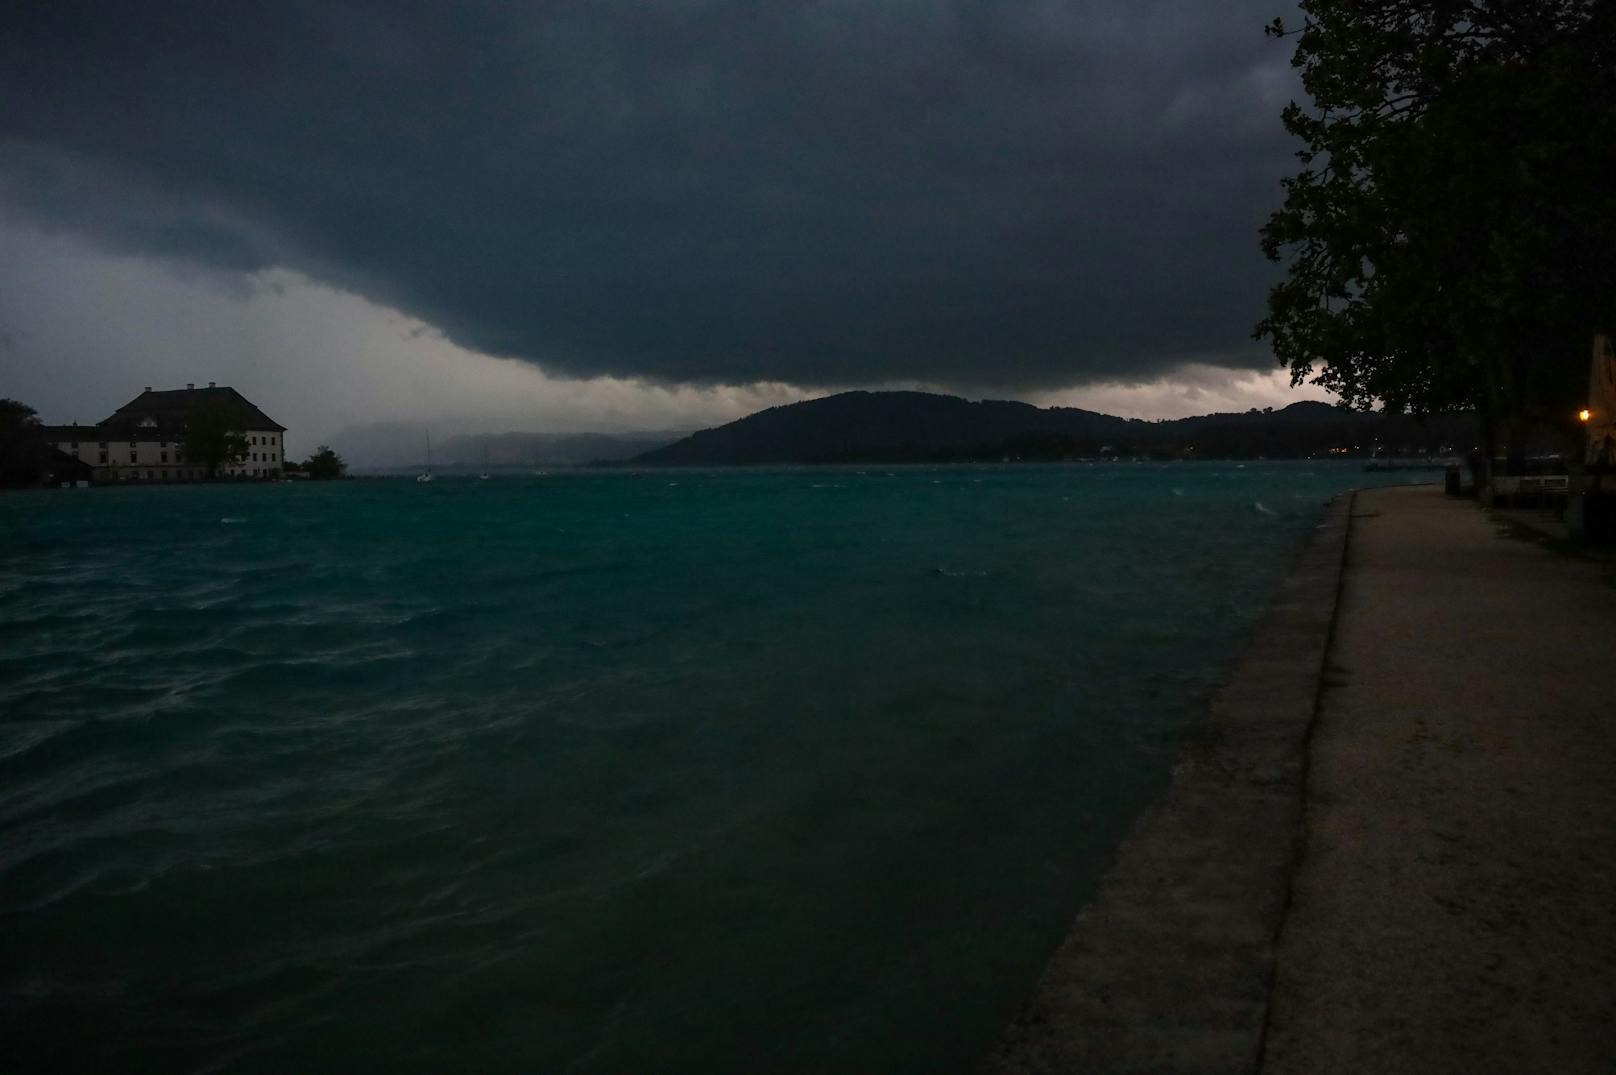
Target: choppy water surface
[(707, 771)]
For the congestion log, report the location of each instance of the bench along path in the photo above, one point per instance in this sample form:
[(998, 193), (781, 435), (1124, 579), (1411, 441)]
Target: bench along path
[(1455, 904)]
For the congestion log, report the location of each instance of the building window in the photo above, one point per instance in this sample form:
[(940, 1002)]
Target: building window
[(103, 445), (103, 458), (164, 459), (75, 446), (132, 458), (165, 475)]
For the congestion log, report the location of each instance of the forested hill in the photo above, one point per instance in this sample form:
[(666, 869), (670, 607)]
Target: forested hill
[(923, 427)]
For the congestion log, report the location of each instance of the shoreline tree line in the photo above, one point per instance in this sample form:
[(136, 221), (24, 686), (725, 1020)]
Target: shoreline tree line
[(1450, 238)]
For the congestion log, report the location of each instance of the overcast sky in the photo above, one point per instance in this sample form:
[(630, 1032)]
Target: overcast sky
[(637, 214)]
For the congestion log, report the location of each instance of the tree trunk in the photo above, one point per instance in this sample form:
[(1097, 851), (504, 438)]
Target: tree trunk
[(1576, 511), (1515, 446), (1484, 465)]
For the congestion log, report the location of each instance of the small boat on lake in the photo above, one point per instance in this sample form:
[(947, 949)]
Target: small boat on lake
[(426, 473)]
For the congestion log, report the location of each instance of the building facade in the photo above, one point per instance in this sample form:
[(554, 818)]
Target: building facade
[(144, 440)]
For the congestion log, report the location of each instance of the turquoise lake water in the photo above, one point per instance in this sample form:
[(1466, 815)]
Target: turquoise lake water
[(799, 770)]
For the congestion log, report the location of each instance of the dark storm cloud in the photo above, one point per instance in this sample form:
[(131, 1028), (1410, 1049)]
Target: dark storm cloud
[(1020, 192)]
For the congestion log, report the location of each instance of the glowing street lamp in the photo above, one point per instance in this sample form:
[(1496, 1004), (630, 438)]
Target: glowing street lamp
[(1584, 414)]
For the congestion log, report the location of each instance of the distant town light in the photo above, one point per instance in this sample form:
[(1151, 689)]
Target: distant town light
[(1585, 414)]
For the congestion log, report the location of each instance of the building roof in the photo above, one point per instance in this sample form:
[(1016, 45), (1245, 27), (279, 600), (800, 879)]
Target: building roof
[(65, 467), (58, 434), (34, 461), (166, 413)]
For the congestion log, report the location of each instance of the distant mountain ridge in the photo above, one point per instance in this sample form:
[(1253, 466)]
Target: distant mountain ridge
[(864, 426), (549, 449), (403, 444)]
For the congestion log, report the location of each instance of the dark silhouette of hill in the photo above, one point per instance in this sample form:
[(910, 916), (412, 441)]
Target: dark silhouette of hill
[(887, 426), (924, 427)]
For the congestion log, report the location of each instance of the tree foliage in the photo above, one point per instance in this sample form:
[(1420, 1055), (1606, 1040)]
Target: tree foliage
[(325, 464), (18, 419), (212, 440), (1451, 237), (21, 435)]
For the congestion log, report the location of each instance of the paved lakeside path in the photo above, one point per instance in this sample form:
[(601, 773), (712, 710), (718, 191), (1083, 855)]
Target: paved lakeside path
[(1391, 847), (1455, 905)]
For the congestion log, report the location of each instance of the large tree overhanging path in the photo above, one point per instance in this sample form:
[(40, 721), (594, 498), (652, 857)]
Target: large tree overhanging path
[(1451, 236)]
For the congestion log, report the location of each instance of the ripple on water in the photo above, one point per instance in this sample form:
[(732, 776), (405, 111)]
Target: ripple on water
[(543, 775)]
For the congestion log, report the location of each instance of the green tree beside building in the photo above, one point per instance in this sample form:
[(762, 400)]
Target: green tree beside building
[(325, 464), (212, 440)]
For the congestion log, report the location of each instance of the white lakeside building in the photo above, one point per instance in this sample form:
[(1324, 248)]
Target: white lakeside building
[(144, 440)]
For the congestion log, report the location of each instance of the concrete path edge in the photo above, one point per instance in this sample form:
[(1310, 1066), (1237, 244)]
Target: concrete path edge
[(1170, 967)]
